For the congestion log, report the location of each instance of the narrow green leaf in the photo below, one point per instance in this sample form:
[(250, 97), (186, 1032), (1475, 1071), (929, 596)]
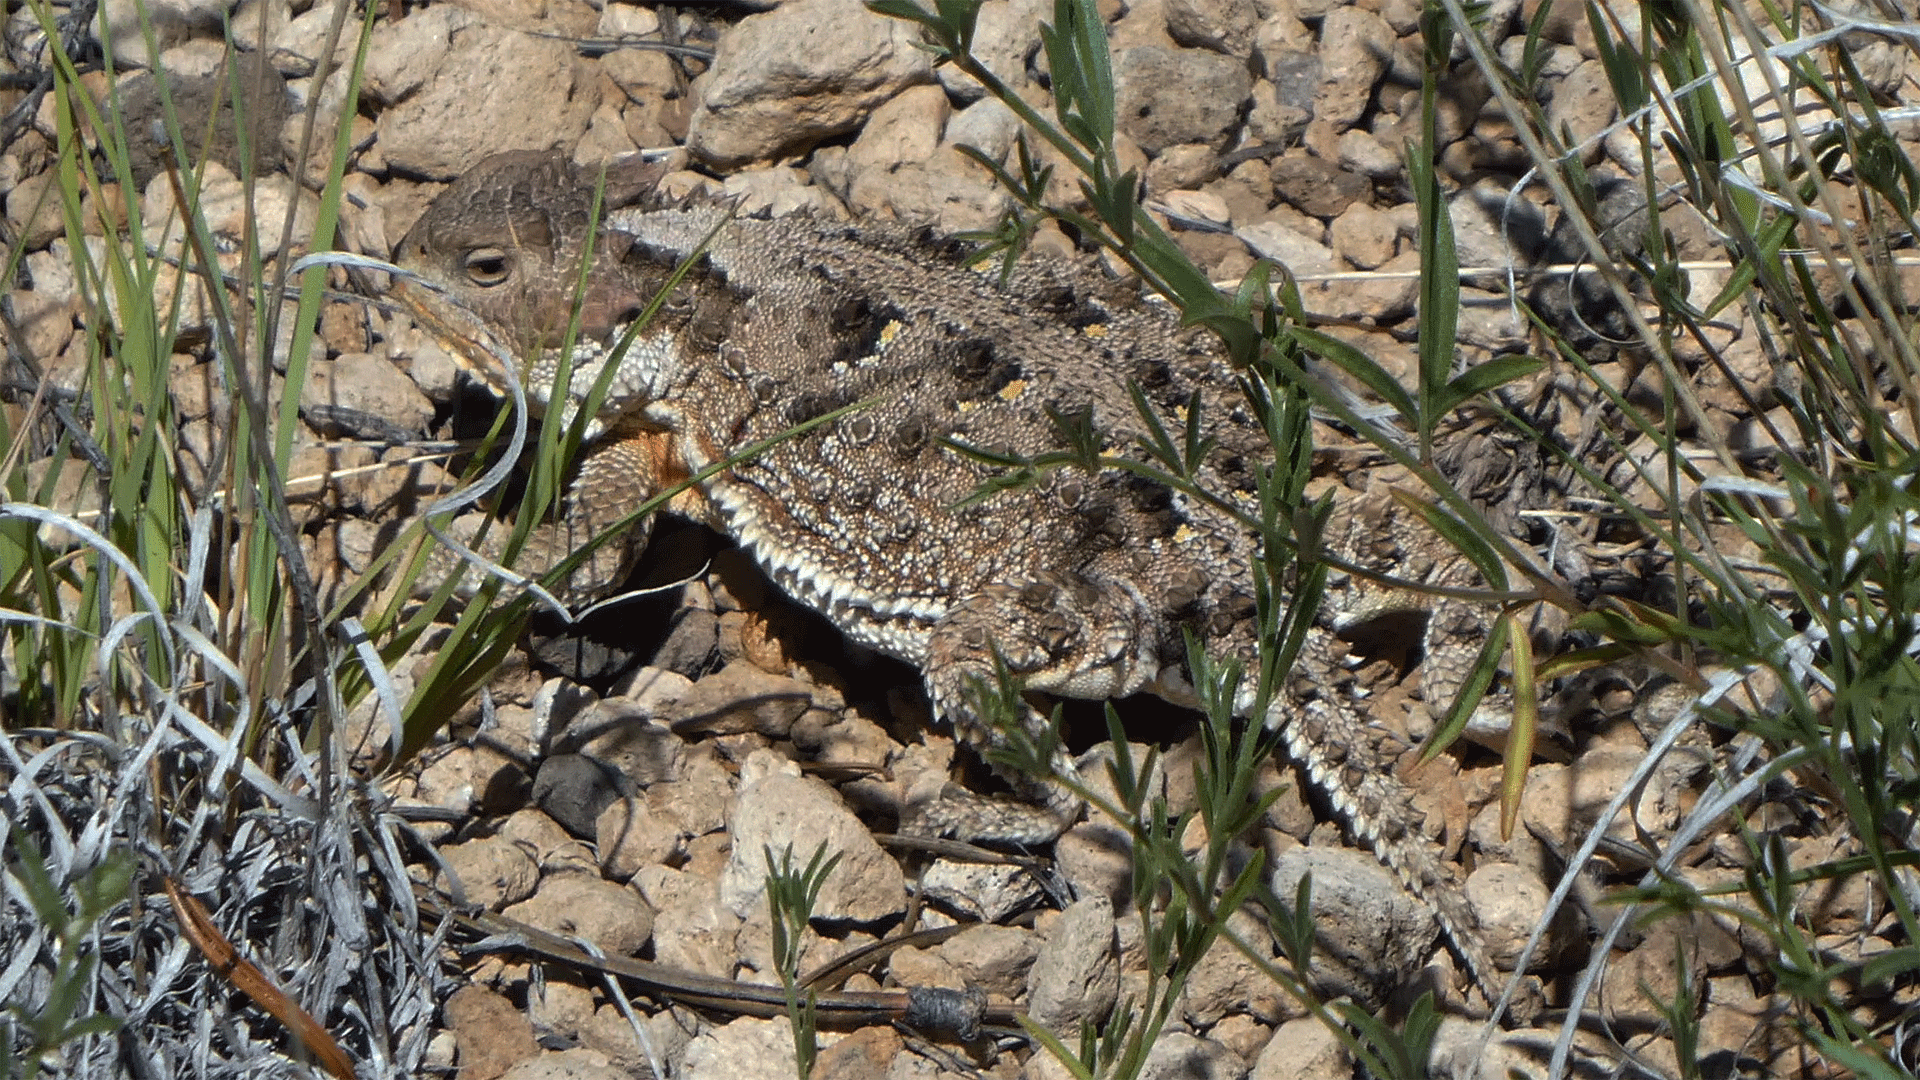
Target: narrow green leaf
[(97, 1024), (1472, 691), (1156, 443), (69, 984), (1093, 64), (1532, 56), (1525, 724), (1481, 378), (1084, 134), (905, 10), (1360, 366), (1616, 625), (1767, 244), (1617, 59), (1439, 290), (31, 868), (1579, 660), (1199, 445), (1456, 533), (1252, 292), (961, 16), (1884, 967), (1067, 1059), (105, 886)]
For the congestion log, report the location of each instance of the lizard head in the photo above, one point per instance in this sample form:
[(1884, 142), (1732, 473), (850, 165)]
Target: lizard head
[(497, 261)]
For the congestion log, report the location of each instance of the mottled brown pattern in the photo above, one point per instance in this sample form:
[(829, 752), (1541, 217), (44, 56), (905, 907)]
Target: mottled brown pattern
[(1083, 583)]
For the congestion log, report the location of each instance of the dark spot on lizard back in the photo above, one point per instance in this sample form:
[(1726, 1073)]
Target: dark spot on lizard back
[(817, 403), (947, 248), (714, 313), (861, 324), (909, 437), (976, 362)]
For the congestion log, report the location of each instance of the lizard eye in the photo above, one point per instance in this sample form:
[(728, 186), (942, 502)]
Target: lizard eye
[(487, 266)]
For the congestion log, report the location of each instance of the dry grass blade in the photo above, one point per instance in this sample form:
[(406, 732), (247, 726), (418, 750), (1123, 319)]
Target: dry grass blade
[(251, 981)]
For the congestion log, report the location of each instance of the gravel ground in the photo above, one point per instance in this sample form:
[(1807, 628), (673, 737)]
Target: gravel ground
[(616, 784)]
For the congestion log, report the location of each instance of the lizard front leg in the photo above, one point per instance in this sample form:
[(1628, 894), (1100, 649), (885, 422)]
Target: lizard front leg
[(613, 479)]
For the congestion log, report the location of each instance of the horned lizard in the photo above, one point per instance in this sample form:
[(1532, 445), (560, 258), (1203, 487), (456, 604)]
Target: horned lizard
[(1083, 583)]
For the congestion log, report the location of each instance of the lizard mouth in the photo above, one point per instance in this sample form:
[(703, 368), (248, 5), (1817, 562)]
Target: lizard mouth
[(464, 335), (528, 372), (533, 361)]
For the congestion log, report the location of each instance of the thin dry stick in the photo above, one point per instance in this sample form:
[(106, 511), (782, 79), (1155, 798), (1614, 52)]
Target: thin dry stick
[(198, 926)]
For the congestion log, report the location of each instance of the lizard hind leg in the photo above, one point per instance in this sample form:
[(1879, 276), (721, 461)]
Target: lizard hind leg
[(1354, 763), (1061, 634)]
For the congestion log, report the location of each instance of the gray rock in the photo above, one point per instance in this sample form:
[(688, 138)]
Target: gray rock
[(691, 643), (1510, 901), (404, 55), (1226, 983), (987, 126), (1640, 983), (779, 810), (1319, 188), (295, 46), (1178, 1055), (1460, 1053), (1077, 976), (698, 802), (1224, 26), (610, 916), (1364, 236), (742, 1047), (1165, 97), (1182, 167), (1296, 77), (494, 872), (1356, 49), (1492, 230), (692, 930), (44, 321), (366, 395), (576, 1064), (644, 751), (1271, 121), (1299, 253), (1366, 154), (905, 130), (629, 838), (994, 958), (493, 1035), (740, 698), (34, 219), (196, 97), (174, 22), (1302, 1049), (1282, 34), (224, 206), (574, 790), (803, 72), (1005, 40), (539, 93), (1370, 935), (1565, 24), (981, 891), (1583, 105)]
